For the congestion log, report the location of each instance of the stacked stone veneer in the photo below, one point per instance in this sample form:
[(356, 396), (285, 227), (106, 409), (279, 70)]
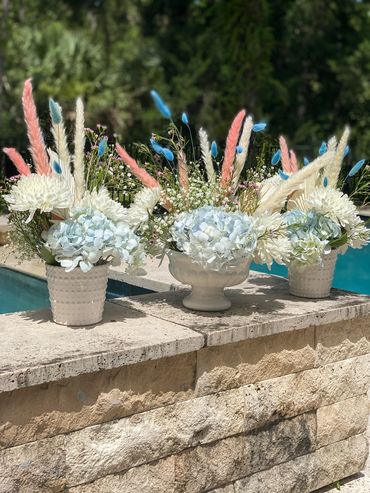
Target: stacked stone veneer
[(278, 414)]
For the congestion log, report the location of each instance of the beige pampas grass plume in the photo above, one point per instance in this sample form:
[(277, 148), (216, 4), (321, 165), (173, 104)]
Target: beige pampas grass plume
[(334, 168), (61, 143), (275, 200), (206, 155), (79, 154), (242, 157)]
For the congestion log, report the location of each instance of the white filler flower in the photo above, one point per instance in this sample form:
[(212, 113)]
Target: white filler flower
[(39, 192)]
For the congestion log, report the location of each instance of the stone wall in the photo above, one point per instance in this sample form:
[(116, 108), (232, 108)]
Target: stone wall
[(284, 413)]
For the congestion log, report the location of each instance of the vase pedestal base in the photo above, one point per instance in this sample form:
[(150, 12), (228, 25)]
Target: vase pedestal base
[(207, 300)]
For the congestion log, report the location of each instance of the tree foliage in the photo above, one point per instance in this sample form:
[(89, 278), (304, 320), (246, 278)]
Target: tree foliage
[(301, 65)]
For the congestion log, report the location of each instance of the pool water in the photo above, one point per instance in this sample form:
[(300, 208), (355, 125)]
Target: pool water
[(19, 291), (352, 271)]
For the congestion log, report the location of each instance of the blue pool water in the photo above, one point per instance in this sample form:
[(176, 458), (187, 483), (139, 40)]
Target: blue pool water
[(352, 271), (20, 291)]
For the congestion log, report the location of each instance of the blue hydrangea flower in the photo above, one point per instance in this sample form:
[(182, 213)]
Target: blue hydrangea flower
[(310, 234), (89, 238), (213, 237)]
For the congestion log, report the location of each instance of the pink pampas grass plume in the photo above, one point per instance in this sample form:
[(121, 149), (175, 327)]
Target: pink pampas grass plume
[(293, 162), (17, 160), (38, 151), (231, 143), (285, 158), (140, 173), (182, 170)]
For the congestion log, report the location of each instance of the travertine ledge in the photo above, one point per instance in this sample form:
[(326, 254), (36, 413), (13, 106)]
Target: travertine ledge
[(34, 350), (270, 396)]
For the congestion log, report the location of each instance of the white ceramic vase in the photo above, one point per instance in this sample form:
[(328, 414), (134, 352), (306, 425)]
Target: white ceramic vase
[(207, 286), (76, 297), (314, 281)]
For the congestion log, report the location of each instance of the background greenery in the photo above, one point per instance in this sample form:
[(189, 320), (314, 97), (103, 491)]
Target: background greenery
[(301, 65)]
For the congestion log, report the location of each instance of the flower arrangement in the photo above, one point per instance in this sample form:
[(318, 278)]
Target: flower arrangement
[(67, 217), (202, 208), (320, 218)]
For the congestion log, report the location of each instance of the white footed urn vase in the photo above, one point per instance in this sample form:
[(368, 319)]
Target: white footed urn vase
[(314, 281), (207, 285), (76, 297)]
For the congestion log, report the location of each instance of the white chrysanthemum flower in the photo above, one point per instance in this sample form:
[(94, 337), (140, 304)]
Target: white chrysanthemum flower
[(142, 206), (39, 192), (358, 234), (334, 204), (100, 200), (272, 243)]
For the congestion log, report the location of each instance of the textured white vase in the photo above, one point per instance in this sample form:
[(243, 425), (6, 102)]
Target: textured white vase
[(315, 280), (207, 286), (76, 297)]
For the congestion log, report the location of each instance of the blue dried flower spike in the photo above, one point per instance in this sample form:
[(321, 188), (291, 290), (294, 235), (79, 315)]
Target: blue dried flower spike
[(259, 127), (160, 105), (276, 158), (214, 150), (55, 113)]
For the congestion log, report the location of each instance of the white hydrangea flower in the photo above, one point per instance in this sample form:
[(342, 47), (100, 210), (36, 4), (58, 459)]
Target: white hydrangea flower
[(100, 200), (34, 192), (273, 243)]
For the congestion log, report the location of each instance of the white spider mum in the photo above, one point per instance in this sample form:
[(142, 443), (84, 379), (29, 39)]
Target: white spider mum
[(100, 200), (142, 206), (272, 243), (39, 192), (334, 204), (358, 234)]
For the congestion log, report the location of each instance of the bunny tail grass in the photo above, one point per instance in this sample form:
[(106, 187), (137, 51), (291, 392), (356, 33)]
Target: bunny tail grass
[(140, 173), (17, 160), (231, 143), (244, 144), (335, 167), (37, 145), (207, 155), (78, 161), (276, 200)]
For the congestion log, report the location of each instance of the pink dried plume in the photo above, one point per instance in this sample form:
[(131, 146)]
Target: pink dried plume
[(231, 143), (37, 145), (17, 160), (293, 162), (140, 173), (182, 170), (288, 158)]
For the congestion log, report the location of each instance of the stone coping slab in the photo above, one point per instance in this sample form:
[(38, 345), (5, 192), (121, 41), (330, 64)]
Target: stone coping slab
[(262, 306), (35, 350)]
